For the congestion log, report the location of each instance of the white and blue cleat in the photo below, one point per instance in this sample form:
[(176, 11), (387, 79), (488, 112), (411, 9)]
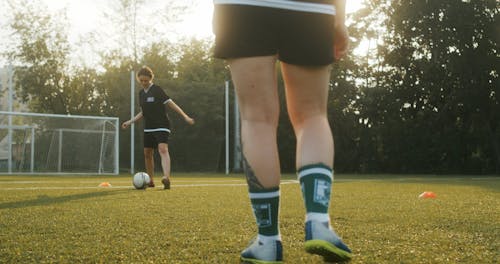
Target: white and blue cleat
[(322, 240), (260, 253)]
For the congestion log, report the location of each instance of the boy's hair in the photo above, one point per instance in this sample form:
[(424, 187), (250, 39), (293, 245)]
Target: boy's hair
[(145, 71)]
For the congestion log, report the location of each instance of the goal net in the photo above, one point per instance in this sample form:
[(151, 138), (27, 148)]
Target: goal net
[(32, 143)]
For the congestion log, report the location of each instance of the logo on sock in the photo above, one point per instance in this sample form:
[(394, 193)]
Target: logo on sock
[(322, 191), (263, 214)]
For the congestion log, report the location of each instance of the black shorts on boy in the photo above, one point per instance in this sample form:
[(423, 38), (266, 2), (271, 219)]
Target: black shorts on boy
[(153, 139), (296, 37)]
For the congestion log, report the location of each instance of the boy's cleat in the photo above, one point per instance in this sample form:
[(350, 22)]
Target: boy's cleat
[(151, 184), (322, 240), (166, 183), (259, 253)]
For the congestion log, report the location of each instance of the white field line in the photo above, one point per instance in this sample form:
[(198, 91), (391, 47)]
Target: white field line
[(109, 180), (203, 183), (196, 184), (92, 181)]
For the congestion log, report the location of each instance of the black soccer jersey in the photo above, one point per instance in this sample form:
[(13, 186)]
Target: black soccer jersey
[(153, 109)]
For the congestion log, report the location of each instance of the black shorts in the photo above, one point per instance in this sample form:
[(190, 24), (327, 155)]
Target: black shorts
[(301, 38), (153, 139)]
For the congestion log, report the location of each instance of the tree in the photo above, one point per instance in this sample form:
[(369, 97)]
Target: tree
[(135, 24), (45, 81), (41, 54), (434, 107)]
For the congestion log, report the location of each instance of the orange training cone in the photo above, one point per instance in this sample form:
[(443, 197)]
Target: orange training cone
[(105, 184), (427, 195)]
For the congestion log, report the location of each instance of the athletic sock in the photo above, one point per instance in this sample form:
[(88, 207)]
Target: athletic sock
[(316, 183), (265, 204)]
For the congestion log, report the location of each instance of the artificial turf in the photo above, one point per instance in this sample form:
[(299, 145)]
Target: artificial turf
[(206, 218)]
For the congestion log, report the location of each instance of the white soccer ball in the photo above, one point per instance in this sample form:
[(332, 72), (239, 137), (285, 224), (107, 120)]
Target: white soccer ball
[(141, 180)]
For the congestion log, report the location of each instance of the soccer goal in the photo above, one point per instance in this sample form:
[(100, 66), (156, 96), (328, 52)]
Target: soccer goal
[(33, 143)]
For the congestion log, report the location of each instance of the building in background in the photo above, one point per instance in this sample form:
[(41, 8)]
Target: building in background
[(4, 88), (17, 106), (6, 143)]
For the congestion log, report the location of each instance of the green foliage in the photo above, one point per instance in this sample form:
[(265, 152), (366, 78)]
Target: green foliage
[(208, 219), (42, 51), (424, 97), (434, 105), (44, 80)]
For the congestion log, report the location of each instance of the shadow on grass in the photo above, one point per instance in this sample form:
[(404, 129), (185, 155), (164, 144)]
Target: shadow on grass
[(46, 200)]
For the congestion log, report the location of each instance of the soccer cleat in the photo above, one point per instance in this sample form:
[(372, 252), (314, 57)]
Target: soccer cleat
[(151, 184), (166, 183), (322, 240), (259, 253)]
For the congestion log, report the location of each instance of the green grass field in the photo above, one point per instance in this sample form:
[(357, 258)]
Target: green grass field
[(207, 219)]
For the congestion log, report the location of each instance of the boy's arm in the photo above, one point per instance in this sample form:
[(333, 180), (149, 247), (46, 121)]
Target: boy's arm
[(179, 110)]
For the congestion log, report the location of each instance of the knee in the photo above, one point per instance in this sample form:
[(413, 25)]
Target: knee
[(268, 116), (302, 120), (163, 149), (148, 154)]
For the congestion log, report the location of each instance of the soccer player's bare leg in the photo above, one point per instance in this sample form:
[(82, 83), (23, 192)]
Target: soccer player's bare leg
[(149, 163), (307, 95), (255, 81), (165, 164)]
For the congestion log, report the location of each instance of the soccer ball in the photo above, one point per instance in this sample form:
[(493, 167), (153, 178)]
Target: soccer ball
[(141, 180)]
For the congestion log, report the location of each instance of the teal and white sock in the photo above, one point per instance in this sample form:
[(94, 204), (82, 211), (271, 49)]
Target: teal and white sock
[(265, 204), (316, 183)]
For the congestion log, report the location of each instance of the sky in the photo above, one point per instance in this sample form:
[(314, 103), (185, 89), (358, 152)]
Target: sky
[(84, 15)]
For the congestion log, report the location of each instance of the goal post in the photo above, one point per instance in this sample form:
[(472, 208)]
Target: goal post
[(34, 143), (237, 148)]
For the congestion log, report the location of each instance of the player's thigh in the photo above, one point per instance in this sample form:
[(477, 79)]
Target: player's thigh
[(148, 153), (306, 90), (256, 87)]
